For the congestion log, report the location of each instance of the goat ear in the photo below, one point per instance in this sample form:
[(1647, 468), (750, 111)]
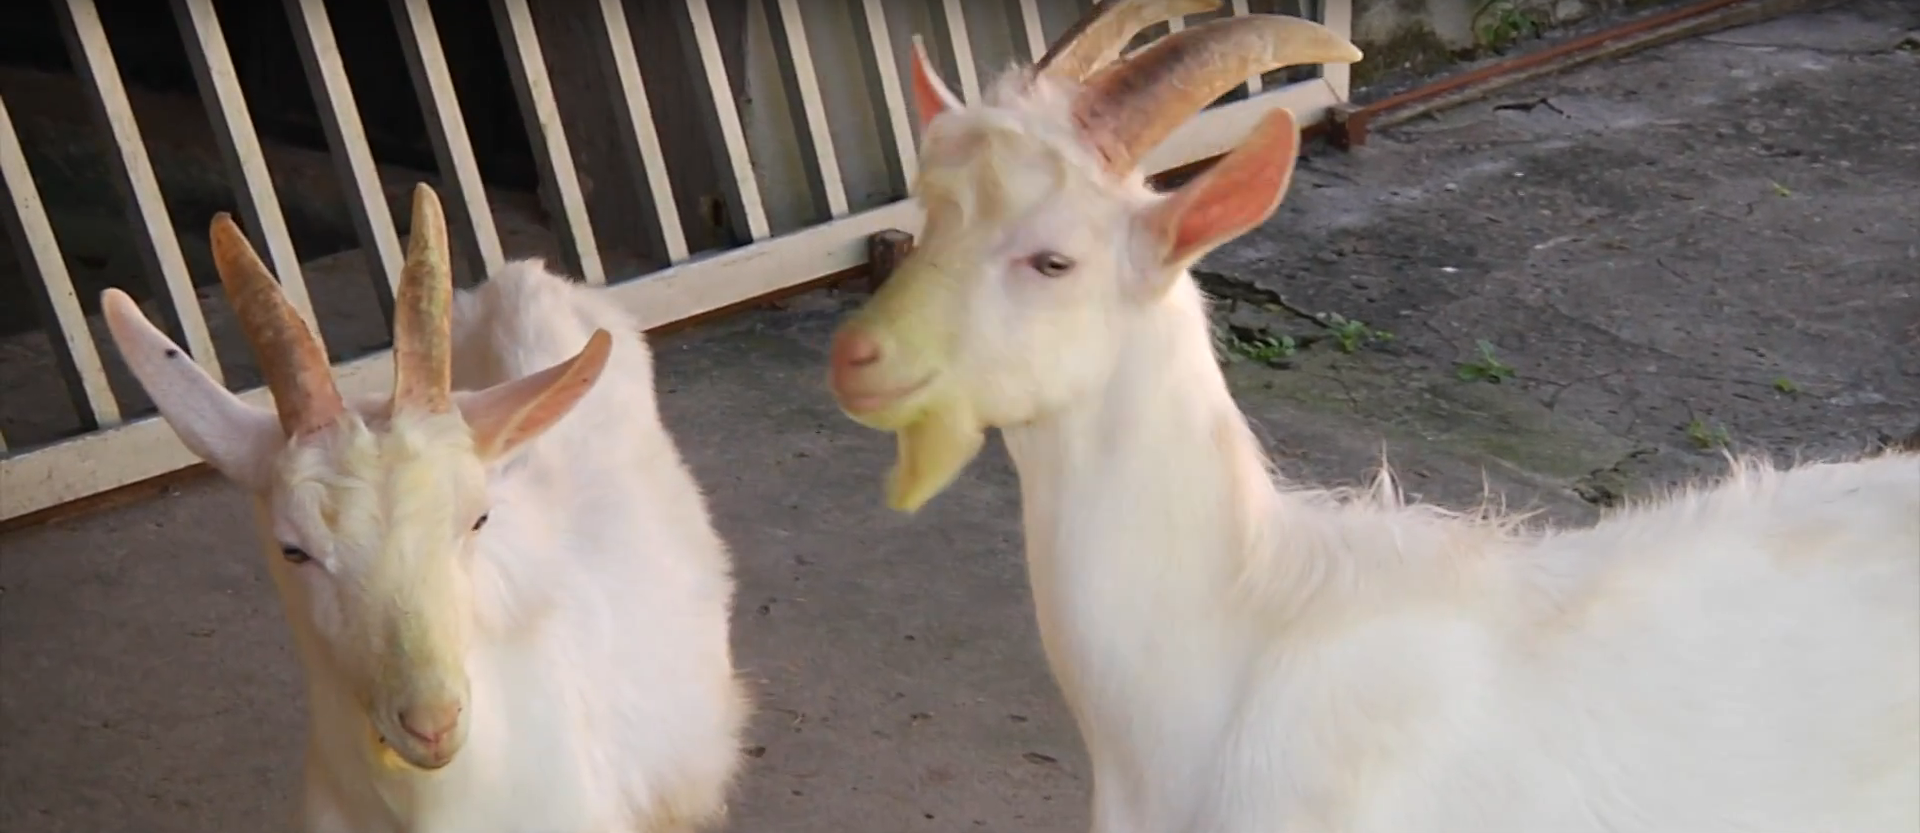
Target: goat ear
[(1238, 193), (237, 439), (931, 97), (505, 416)]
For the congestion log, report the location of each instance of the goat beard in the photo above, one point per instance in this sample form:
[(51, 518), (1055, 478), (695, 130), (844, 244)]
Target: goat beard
[(931, 451)]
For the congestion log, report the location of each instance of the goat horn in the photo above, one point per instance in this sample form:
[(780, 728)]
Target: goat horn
[(1128, 108), (1095, 39), (423, 311), (295, 367)]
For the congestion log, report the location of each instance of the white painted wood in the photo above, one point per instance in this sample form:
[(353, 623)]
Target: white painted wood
[(233, 130), (640, 135), (347, 139), (803, 80), (470, 216), (954, 19), (890, 105), (1338, 16), (1025, 17), (749, 211), (546, 131), (39, 250), (1240, 8), (104, 460), (159, 248)]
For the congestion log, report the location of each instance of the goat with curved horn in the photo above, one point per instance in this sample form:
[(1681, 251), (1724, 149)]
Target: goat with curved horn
[(423, 312), (295, 367), (1245, 654), (504, 585), (1128, 108), (1096, 38)]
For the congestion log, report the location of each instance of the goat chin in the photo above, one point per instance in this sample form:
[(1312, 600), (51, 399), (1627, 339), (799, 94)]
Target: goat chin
[(1243, 655), (603, 695)]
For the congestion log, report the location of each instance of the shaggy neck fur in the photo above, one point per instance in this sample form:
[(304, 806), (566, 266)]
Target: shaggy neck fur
[(1158, 538)]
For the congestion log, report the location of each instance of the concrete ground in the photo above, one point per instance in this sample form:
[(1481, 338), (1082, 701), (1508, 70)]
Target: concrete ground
[(1714, 243)]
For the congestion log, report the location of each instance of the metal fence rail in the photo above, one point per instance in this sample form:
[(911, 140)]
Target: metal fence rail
[(104, 449)]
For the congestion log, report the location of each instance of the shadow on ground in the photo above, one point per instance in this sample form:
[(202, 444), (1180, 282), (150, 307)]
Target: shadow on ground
[(1711, 244)]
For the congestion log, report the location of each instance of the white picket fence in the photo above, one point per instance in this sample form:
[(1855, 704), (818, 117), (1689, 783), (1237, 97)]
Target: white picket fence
[(862, 44)]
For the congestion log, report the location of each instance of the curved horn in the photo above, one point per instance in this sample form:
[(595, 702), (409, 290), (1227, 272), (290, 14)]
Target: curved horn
[(1127, 109), (1095, 39), (295, 367), (423, 312)]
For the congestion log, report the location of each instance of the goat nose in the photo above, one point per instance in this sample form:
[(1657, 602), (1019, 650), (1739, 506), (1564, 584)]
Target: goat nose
[(430, 723), (853, 349)]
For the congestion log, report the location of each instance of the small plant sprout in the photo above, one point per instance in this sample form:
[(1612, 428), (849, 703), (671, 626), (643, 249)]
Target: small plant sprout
[(1707, 436), (1485, 367)]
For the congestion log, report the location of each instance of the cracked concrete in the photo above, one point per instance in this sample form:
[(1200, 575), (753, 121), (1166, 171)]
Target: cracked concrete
[(1660, 248)]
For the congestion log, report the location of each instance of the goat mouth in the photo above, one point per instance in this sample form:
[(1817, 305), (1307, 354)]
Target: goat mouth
[(871, 403), (394, 758)]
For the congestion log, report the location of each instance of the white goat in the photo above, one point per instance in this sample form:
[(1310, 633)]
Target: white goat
[(510, 603), (1246, 657)]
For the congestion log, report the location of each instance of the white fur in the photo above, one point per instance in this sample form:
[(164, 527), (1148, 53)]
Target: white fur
[(1249, 656), (595, 601)]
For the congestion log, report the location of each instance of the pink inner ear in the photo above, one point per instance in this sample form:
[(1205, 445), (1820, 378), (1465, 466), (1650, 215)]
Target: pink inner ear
[(930, 95), (1239, 192)]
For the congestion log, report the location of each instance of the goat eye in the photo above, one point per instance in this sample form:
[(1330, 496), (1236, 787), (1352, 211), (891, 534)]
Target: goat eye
[(294, 555), (1051, 264), (481, 521)]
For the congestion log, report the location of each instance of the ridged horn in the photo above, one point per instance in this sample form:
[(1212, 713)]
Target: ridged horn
[(1129, 108), (1095, 39), (423, 312), (296, 369)]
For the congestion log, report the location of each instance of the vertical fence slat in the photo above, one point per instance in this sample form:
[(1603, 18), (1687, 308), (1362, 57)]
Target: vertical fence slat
[(639, 135), (889, 102), (1240, 9), (66, 323), (803, 83), (159, 248), (566, 205), (347, 140), (1025, 17), (954, 19), (233, 130), (749, 211), (447, 131), (1338, 16)]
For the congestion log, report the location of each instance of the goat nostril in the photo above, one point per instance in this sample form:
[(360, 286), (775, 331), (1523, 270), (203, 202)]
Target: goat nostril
[(429, 725), (855, 349)]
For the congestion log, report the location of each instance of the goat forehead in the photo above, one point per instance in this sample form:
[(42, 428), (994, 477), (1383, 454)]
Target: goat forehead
[(984, 175), (366, 480)]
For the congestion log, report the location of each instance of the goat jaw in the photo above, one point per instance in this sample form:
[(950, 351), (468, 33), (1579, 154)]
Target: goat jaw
[(930, 453)]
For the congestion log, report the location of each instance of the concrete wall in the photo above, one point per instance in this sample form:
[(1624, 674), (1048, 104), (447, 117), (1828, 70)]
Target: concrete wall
[(1424, 36)]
